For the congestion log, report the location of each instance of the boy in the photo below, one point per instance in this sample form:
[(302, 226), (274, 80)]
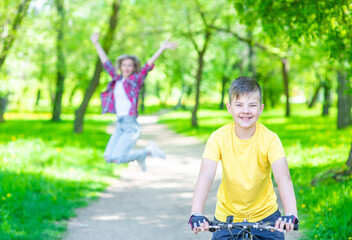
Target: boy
[(248, 152)]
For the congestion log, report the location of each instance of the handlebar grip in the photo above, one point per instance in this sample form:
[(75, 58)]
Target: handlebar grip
[(295, 228)]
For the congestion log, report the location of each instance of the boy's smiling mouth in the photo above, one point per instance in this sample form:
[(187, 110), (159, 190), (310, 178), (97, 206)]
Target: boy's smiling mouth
[(246, 118)]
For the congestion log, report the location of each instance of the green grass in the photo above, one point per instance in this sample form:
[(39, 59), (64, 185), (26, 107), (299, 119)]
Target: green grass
[(313, 145), (47, 171)]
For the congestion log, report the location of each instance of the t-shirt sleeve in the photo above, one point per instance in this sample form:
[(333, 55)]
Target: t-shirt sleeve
[(276, 150), (212, 149)]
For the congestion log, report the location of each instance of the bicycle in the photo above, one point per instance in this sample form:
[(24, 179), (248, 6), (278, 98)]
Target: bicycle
[(245, 227)]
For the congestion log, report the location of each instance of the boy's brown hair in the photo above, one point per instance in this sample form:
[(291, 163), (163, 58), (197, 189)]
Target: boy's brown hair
[(243, 86)]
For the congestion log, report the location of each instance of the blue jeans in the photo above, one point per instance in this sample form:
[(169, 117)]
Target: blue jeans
[(224, 234), (123, 140)]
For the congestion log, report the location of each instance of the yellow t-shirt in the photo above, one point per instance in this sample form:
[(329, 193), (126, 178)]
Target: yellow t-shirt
[(246, 190)]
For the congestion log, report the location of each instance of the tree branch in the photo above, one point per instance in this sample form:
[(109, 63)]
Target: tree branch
[(276, 53)]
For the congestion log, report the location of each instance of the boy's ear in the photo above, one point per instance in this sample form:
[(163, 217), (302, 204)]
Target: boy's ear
[(228, 106), (261, 109)]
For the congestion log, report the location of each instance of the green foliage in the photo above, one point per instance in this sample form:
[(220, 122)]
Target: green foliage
[(313, 145), (46, 172), (3, 93), (140, 33), (330, 21)]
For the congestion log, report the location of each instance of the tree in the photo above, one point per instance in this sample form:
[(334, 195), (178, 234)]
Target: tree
[(3, 103), (329, 21), (7, 44), (226, 63), (343, 101), (309, 21), (10, 38), (106, 44), (278, 54), (327, 98), (60, 63), (205, 32), (286, 84), (200, 52)]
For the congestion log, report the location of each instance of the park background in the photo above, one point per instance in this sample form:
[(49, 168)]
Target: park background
[(52, 134)]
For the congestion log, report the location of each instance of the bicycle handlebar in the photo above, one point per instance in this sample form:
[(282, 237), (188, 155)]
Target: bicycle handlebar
[(215, 225)]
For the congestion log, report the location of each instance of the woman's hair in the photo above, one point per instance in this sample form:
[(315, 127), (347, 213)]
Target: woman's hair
[(242, 86), (135, 59)]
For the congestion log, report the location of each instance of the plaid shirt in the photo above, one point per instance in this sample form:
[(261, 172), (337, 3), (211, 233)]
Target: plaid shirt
[(132, 85)]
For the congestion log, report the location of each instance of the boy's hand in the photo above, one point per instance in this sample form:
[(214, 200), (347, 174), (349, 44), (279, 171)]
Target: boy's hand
[(169, 45), (287, 222), (199, 223), (94, 38)]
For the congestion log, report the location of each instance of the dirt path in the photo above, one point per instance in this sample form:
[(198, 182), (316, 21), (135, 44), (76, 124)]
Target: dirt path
[(152, 205)]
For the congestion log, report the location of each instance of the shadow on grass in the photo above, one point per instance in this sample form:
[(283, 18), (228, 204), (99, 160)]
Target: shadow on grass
[(322, 207), (308, 131), (33, 206), (59, 133), (46, 172)]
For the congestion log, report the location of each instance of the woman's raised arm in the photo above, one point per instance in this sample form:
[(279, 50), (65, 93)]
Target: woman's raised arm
[(101, 53), (165, 45)]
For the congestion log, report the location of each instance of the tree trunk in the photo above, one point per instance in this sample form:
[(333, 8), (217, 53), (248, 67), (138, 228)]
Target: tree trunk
[(349, 160), (107, 42), (60, 64), (79, 113), (327, 101), (315, 96), (158, 90), (9, 39), (251, 57), (198, 79), (179, 103), (265, 94), (286, 84), (51, 93), (3, 104), (225, 80), (38, 97), (343, 101)]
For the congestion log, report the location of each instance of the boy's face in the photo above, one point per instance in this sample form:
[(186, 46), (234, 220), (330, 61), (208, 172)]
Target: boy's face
[(245, 110), (127, 67)]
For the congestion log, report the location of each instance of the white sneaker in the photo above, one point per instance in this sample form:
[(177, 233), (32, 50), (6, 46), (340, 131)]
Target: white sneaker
[(155, 151), (142, 165)]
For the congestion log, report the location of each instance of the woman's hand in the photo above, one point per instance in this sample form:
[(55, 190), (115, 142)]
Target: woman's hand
[(169, 45), (101, 53), (165, 45)]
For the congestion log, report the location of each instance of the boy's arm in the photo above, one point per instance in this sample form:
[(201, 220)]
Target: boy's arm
[(101, 53), (205, 180), (287, 194), (165, 45)]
